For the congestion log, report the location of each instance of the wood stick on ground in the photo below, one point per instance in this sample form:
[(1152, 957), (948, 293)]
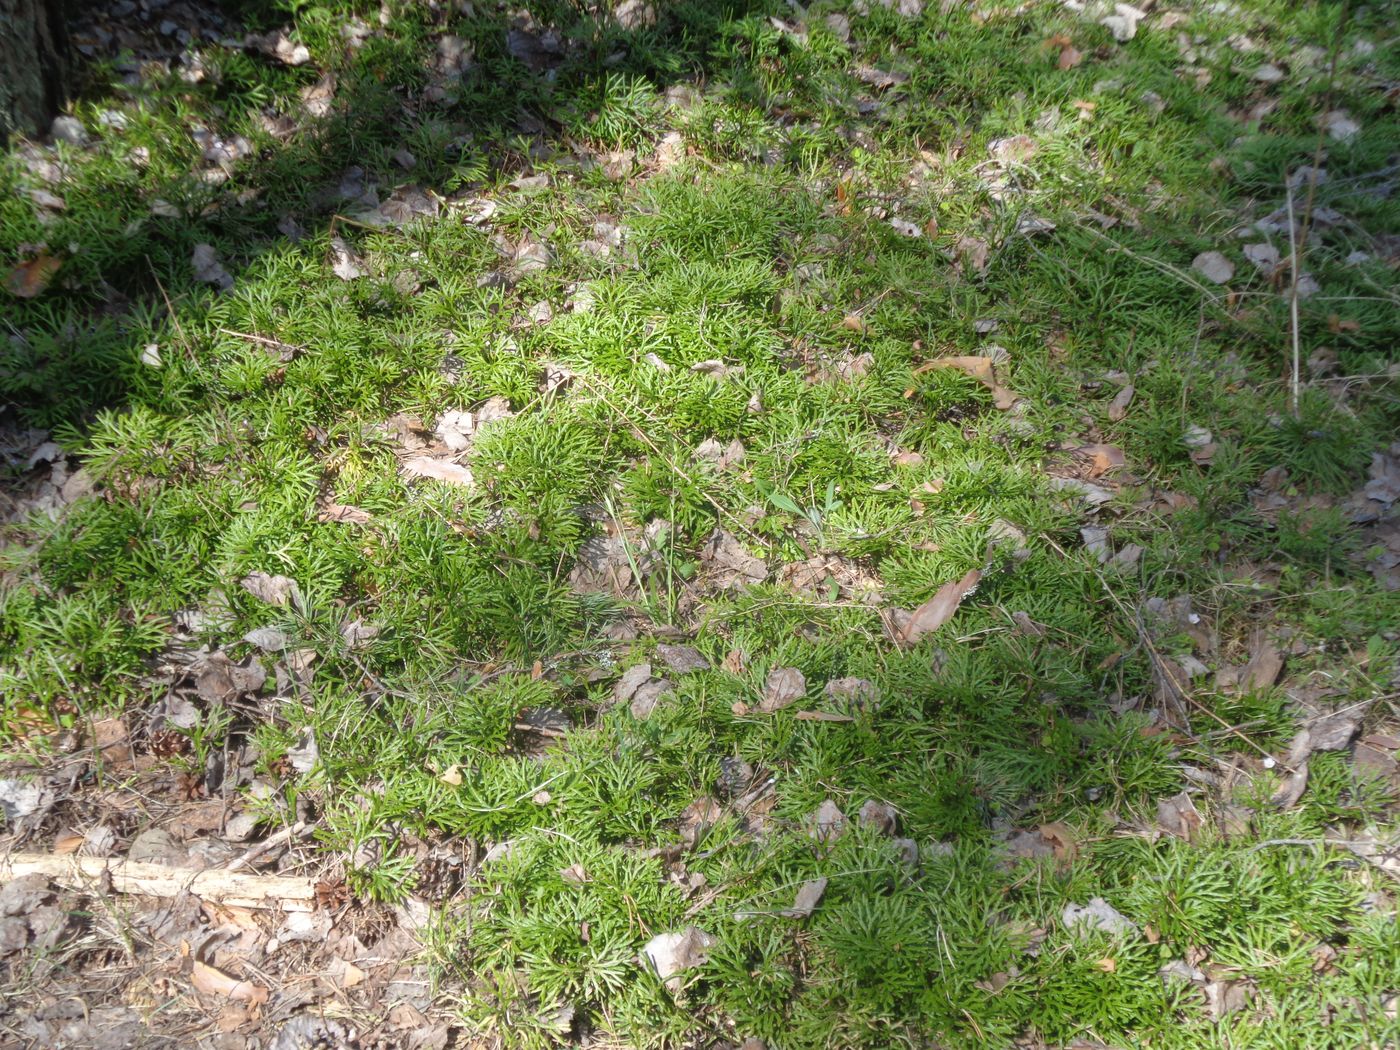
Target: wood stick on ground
[(271, 842), (97, 874)]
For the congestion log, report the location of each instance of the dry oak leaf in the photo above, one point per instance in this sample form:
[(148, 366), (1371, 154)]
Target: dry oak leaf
[(908, 628), (783, 686), (210, 981)]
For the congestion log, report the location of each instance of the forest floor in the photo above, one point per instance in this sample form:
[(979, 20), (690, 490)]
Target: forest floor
[(711, 524)]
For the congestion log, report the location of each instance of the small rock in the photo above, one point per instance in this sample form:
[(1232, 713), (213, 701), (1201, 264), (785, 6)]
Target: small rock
[(69, 130)]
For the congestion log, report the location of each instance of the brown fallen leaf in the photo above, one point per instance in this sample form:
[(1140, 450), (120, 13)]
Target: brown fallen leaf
[(1100, 458), (1263, 669), (809, 895), (1178, 816), (826, 823), (341, 512), (32, 276), (1118, 407), (982, 369), (1061, 839), (783, 686), (209, 981), (972, 253), (438, 470), (907, 628), (1069, 57)]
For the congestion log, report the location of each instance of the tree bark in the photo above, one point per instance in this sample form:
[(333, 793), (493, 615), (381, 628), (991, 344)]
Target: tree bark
[(33, 64)]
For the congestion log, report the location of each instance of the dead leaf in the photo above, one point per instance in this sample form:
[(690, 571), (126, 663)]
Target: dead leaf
[(1098, 914), (982, 369), (1339, 125), (783, 686), (1214, 267), (1063, 841), (878, 816), (1101, 458), (1107, 966), (826, 823), (209, 981), (1069, 57), (32, 276), (1262, 671), (731, 565), (809, 895), (632, 679), (1201, 443), (343, 513), (1015, 149), (345, 262), (1226, 997), (275, 590), (207, 267), (1123, 22), (682, 659), (647, 696), (907, 628), (670, 953), (1118, 407), (438, 470), (574, 874), (1178, 816), (972, 253)]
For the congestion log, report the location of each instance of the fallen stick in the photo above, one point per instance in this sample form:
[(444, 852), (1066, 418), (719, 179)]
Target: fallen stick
[(98, 874)]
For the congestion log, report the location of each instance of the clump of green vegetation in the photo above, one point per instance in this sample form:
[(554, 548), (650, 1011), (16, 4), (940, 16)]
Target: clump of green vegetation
[(885, 298)]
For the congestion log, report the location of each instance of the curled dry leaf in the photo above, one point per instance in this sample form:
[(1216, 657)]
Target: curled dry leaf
[(783, 686), (1118, 407), (670, 953), (1179, 816), (908, 628), (209, 981), (982, 369), (1100, 459), (32, 276), (346, 263), (275, 590), (878, 816)]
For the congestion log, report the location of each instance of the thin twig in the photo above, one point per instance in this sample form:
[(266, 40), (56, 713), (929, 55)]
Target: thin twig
[(1297, 236), (1295, 373), (269, 843)]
